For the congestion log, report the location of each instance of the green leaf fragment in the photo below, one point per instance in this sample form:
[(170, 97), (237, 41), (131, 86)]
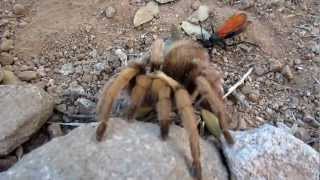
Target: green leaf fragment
[(212, 122), (142, 112)]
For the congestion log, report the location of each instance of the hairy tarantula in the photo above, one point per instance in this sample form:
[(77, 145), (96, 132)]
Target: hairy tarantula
[(181, 72)]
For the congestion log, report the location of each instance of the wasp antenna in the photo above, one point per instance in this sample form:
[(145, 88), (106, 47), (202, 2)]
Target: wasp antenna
[(202, 36), (212, 27)]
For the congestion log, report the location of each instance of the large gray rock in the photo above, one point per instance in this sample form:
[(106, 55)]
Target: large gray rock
[(130, 151), (23, 110), (271, 153)]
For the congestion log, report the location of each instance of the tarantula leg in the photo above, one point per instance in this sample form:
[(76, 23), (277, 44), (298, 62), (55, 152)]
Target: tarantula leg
[(216, 105), (184, 105), (194, 95), (164, 106), (110, 93), (157, 54), (138, 93)]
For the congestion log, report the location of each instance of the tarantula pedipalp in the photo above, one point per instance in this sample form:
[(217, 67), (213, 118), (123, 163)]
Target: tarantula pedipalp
[(182, 72)]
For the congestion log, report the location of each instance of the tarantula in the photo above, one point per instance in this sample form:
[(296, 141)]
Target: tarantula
[(181, 73)]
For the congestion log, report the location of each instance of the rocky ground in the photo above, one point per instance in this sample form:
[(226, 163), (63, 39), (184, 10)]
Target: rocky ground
[(75, 47)]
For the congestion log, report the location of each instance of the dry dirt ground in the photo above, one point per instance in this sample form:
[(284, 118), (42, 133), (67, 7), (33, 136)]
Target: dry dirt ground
[(72, 46)]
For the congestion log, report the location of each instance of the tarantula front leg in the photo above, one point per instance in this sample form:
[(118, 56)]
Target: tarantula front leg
[(185, 109), (139, 91), (216, 104), (110, 93), (162, 93)]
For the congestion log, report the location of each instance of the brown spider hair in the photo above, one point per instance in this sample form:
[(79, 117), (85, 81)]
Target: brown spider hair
[(180, 75)]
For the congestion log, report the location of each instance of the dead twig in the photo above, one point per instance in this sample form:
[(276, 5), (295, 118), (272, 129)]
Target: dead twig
[(236, 85), (93, 124)]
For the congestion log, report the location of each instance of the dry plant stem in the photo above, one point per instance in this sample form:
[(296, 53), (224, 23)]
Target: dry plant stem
[(94, 124), (236, 85)]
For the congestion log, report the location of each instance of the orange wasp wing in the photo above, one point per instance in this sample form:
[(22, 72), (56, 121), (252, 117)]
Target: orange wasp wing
[(233, 26)]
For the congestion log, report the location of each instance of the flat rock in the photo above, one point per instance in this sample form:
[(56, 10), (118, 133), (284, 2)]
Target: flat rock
[(27, 75), (23, 110), (130, 151), (201, 14), (146, 14), (272, 153)]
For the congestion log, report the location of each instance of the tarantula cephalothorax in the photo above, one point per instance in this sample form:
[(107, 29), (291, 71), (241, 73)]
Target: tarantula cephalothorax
[(182, 73)]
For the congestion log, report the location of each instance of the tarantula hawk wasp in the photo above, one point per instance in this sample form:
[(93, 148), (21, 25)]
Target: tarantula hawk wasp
[(232, 27)]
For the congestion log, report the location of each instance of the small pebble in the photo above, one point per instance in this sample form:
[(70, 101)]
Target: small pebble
[(7, 34), (276, 66), (259, 70), (110, 12), (19, 152), (245, 47), (195, 5), (74, 87), (61, 107), (99, 67), (54, 130), (297, 61), (85, 105), (6, 45), (6, 59), (254, 97), (311, 120), (194, 30), (122, 56), (67, 69), (19, 9), (27, 75)]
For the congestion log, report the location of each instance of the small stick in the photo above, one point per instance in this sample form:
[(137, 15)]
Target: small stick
[(94, 124), (235, 86)]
